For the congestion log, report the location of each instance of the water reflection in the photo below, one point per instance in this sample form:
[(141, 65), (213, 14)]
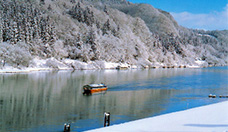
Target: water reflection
[(46, 100)]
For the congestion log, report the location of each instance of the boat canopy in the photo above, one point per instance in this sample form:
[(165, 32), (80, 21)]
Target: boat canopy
[(97, 85)]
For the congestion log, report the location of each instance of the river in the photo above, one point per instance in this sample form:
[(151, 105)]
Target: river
[(44, 101)]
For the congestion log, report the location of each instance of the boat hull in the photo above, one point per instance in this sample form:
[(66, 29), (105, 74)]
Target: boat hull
[(98, 90), (94, 90)]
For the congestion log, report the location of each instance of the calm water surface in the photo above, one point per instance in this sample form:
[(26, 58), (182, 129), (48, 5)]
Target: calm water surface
[(44, 101)]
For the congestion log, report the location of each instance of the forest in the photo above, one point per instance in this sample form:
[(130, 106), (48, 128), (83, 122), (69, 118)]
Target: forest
[(99, 31)]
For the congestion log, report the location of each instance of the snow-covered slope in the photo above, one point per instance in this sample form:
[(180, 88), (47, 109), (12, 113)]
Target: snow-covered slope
[(93, 31)]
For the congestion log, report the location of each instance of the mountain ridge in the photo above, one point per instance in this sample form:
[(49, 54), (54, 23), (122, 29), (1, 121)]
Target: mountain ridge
[(115, 31)]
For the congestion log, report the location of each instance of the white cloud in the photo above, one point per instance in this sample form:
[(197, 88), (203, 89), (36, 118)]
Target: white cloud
[(211, 21)]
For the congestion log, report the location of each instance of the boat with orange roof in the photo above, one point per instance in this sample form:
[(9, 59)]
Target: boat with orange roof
[(93, 88)]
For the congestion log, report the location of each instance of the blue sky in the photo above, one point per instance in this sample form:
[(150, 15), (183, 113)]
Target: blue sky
[(197, 14)]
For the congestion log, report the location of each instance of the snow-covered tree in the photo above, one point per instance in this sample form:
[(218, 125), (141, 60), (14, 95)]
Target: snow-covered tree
[(15, 33), (15, 54), (110, 30), (1, 28), (107, 27), (105, 9), (42, 2)]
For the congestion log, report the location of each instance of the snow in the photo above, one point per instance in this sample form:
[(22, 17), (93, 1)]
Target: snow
[(96, 85), (110, 65), (193, 66), (10, 69), (205, 118), (38, 64), (207, 35), (200, 62)]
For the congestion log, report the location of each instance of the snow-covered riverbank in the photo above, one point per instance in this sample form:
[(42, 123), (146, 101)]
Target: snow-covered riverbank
[(68, 64), (206, 118), (65, 64)]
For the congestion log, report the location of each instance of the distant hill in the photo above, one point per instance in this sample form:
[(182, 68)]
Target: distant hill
[(103, 30)]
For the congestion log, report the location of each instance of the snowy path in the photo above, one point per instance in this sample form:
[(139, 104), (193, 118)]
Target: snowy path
[(206, 118)]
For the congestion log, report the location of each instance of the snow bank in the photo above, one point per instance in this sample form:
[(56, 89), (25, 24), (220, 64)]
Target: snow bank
[(206, 118), (110, 65), (38, 64)]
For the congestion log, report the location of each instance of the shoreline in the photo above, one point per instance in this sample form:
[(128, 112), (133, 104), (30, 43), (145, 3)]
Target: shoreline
[(53, 64), (213, 117), (28, 70)]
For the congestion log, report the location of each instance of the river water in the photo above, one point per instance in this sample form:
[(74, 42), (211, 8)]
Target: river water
[(44, 101)]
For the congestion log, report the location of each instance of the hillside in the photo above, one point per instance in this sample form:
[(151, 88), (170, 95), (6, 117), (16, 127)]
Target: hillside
[(87, 34)]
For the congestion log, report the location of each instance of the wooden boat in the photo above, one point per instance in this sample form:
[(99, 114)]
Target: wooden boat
[(92, 88)]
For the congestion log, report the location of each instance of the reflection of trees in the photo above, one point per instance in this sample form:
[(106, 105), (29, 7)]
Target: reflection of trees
[(30, 100)]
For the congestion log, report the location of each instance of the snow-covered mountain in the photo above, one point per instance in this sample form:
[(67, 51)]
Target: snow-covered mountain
[(98, 31)]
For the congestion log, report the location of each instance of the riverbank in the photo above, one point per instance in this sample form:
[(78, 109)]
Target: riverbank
[(205, 118), (38, 64)]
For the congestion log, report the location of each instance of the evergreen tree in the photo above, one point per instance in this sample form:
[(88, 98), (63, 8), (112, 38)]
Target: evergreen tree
[(1, 28), (105, 9), (46, 34), (36, 29), (73, 1), (86, 16), (52, 33), (83, 15), (42, 2), (91, 37), (26, 33), (106, 27), (92, 18), (78, 12), (79, 41), (11, 33), (6, 30), (98, 24), (49, 7), (14, 33)]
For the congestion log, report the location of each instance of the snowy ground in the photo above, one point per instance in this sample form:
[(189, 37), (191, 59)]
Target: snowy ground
[(38, 64), (204, 119)]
